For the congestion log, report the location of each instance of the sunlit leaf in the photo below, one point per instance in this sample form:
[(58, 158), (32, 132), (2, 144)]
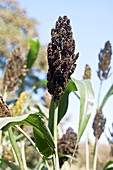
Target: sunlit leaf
[(86, 103), (37, 122), (33, 52), (109, 93)]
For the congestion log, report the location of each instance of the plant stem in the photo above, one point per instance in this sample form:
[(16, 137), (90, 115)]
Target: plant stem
[(15, 148), (87, 154), (21, 86), (55, 138), (95, 154), (23, 154), (96, 140), (1, 144), (98, 100)]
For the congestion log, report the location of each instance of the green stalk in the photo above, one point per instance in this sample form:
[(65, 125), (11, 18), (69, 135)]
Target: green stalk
[(21, 86), (99, 94), (34, 145), (95, 154), (55, 138), (23, 154), (0, 144), (96, 140), (87, 154), (15, 148)]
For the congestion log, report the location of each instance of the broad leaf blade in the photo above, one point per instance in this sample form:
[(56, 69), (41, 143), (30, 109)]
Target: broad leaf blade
[(6, 122), (82, 129), (63, 103), (33, 52), (109, 93), (43, 146), (37, 122), (86, 103), (51, 115)]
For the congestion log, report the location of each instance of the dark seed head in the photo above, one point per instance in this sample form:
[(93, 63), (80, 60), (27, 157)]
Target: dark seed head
[(61, 57)]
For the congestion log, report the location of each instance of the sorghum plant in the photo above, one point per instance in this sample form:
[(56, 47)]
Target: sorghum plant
[(52, 150), (103, 74)]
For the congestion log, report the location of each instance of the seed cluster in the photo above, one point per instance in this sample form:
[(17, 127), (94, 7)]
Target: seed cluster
[(4, 110), (104, 61), (61, 57), (87, 72), (15, 69), (16, 110), (66, 145), (99, 123), (8, 153)]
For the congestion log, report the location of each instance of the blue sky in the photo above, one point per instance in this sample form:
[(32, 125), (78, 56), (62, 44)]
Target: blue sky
[(92, 25)]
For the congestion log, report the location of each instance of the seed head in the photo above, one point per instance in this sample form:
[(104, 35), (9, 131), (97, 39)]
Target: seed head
[(99, 123), (66, 145), (104, 61), (16, 110), (87, 72), (4, 110), (15, 69), (61, 57)]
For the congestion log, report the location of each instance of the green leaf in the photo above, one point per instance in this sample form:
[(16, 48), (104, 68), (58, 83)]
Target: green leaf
[(108, 165), (43, 146), (109, 93), (61, 155), (42, 110), (51, 115), (40, 83), (33, 52), (37, 122), (86, 103), (9, 164), (63, 103)]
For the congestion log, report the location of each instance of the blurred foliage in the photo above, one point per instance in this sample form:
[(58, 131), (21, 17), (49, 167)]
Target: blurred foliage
[(41, 63), (15, 27)]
